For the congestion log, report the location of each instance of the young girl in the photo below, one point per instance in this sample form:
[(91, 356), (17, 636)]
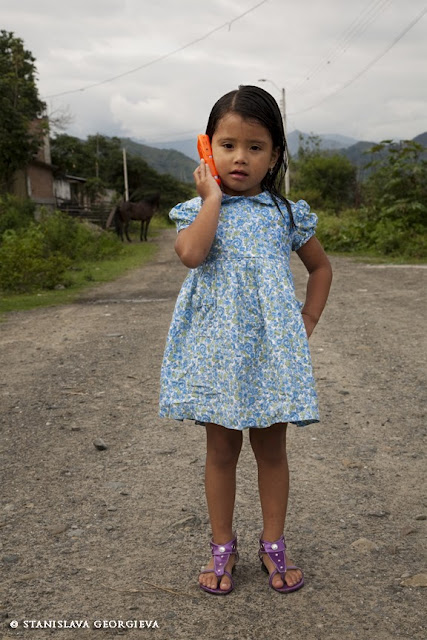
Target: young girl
[(237, 353)]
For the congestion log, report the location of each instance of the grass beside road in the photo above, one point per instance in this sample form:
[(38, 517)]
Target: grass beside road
[(84, 275), (374, 258)]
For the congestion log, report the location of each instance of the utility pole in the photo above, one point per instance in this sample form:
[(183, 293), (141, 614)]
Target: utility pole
[(97, 157), (125, 175), (285, 129)]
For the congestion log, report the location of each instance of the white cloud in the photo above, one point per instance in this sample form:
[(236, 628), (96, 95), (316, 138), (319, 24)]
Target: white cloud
[(86, 42)]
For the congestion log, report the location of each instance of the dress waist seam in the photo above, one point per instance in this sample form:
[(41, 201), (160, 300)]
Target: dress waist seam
[(223, 258)]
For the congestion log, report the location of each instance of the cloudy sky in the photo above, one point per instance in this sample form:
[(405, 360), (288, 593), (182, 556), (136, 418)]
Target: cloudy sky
[(152, 69)]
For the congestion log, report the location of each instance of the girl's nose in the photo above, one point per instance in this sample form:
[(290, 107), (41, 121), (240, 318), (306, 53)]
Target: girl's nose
[(240, 156)]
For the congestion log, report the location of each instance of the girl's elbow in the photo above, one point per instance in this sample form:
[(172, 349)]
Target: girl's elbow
[(189, 259), (326, 271), (324, 265)]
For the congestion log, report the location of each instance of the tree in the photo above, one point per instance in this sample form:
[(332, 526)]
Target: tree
[(20, 104), (69, 154), (325, 179), (397, 190), (99, 159), (334, 177)]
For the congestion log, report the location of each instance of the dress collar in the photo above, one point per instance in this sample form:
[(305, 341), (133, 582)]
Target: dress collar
[(261, 198)]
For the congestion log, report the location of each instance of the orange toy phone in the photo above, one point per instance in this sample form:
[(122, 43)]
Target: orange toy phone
[(205, 152)]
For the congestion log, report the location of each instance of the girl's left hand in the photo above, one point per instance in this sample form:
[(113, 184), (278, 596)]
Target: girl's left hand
[(309, 324)]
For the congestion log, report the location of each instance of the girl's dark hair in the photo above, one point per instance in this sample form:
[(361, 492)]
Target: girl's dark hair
[(252, 102)]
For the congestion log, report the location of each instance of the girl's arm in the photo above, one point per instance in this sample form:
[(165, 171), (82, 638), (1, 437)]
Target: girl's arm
[(319, 281), (194, 242)]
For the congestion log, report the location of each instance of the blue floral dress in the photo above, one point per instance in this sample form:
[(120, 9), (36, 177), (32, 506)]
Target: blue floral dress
[(237, 352)]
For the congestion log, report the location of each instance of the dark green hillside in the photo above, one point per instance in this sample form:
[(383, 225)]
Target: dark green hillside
[(358, 156), (168, 161)]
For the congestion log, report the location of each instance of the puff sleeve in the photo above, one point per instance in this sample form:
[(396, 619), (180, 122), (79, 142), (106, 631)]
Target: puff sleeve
[(305, 222), (184, 213)]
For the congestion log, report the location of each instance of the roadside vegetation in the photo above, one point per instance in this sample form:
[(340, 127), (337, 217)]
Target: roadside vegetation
[(51, 261), (384, 216)]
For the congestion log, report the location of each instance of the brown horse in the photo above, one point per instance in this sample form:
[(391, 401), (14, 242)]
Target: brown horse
[(143, 210)]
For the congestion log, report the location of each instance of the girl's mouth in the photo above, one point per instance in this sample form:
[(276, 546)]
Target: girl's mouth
[(238, 174)]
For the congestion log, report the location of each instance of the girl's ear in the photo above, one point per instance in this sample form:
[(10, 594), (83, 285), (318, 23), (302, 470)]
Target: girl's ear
[(274, 157)]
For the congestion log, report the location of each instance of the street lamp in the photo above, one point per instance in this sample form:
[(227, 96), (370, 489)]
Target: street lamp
[(283, 110)]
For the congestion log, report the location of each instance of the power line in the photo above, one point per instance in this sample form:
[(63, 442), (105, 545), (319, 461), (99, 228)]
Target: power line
[(368, 66), (160, 58), (356, 28)]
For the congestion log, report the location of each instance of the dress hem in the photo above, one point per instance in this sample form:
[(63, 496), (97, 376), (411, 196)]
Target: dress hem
[(263, 424)]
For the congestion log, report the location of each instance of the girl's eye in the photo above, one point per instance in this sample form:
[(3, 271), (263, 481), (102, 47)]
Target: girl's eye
[(255, 147), (227, 145)]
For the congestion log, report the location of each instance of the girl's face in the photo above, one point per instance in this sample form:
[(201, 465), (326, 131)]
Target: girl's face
[(243, 153)]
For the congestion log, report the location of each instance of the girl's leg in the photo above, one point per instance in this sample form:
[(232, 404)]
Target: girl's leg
[(269, 447), (223, 449)]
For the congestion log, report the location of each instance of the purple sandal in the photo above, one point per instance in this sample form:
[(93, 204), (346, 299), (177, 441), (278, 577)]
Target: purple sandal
[(276, 553), (221, 554)]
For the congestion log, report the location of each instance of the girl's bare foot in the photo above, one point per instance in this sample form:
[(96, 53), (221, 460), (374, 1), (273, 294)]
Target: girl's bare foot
[(211, 581), (292, 576)]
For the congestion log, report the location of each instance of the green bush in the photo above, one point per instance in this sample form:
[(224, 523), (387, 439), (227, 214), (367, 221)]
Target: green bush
[(312, 195), (36, 255), (341, 233), (77, 240), (326, 180), (358, 231), (26, 264), (60, 233), (93, 243), (15, 213)]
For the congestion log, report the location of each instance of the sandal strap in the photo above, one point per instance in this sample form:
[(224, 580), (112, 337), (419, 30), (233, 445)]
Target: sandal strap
[(276, 552), (221, 554)]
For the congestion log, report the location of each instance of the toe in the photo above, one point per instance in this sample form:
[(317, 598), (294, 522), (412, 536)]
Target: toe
[(225, 583), (208, 580), (213, 581), (205, 578), (277, 581), (292, 577)]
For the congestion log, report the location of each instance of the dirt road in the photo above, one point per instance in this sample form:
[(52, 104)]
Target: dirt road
[(119, 534)]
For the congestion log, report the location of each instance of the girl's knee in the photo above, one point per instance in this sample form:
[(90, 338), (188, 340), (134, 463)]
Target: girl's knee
[(223, 445), (269, 444)]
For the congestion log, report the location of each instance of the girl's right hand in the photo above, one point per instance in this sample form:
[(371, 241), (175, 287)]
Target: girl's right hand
[(309, 323), (206, 185)]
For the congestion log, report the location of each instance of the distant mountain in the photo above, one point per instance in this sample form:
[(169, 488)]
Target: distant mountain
[(357, 155), (187, 147), (327, 141), (179, 157), (421, 139), (169, 160), (355, 151)]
